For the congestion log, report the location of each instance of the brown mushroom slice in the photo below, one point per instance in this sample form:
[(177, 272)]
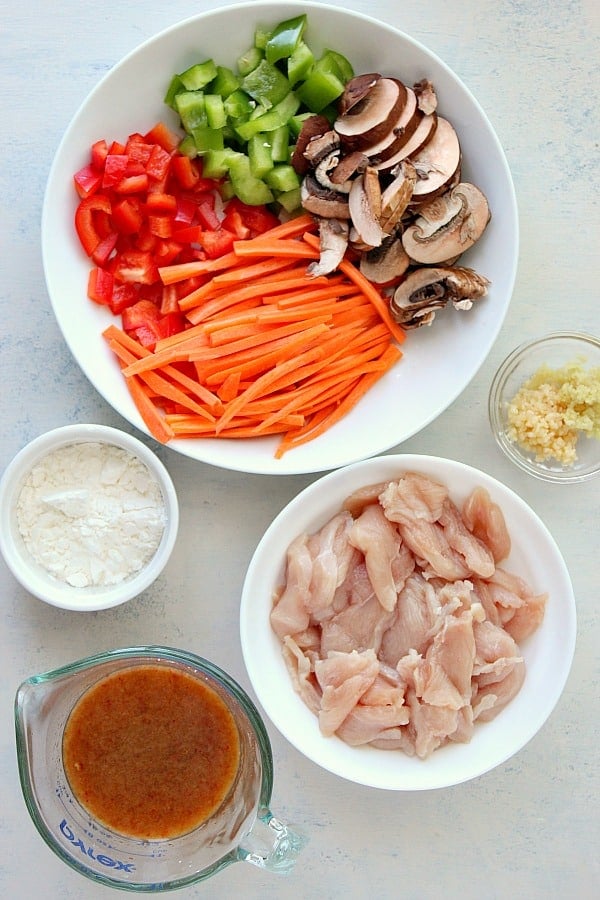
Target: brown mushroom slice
[(437, 161), (417, 299), (323, 173), (426, 96), (396, 196), (333, 238), (448, 225), (322, 201), (312, 127), (321, 145), (422, 134), (385, 264), (348, 166), (370, 119), (356, 89), (400, 131), (364, 202)]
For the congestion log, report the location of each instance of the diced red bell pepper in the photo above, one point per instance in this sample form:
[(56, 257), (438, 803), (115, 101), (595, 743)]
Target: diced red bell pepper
[(85, 223), (161, 226), (127, 216), (123, 295), (191, 234), (115, 167), (234, 222), (163, 136), (141, 313), (136, 266), (166, 251), (216, 243), (87, 181), (159, 203), (257, 218), (206, 212), (132, 184), (104, 249), (186, 210), (99, 154), (158, 164), (100, 286), (185, 171)]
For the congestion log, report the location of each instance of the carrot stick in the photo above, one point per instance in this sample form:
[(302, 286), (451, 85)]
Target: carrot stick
[(264, 246), (157, 426)]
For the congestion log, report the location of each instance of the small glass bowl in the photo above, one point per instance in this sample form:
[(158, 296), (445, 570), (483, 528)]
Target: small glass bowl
[(33, 576), (555, 351)]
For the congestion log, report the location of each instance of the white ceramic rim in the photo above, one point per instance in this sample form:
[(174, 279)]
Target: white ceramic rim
[(31, 576), (550, 649), (357, 436)]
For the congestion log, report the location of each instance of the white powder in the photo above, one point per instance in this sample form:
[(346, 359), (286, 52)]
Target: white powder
[(91, 514)]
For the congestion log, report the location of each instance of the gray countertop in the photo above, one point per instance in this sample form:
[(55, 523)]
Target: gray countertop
[(530, 827)]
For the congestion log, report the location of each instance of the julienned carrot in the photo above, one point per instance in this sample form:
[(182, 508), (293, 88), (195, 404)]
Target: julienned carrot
[(269, 348)]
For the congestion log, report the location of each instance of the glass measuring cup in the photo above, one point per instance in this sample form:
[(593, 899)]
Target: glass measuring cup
[(241, 829)]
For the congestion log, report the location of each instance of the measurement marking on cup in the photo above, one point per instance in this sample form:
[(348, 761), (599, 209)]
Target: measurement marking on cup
[(89, 851)]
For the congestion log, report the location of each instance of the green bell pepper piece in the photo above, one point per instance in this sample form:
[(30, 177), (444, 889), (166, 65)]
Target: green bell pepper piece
[(266, 84), (261, 36), (300, 63), (320, 89), (215, 163), (207, 138), (260, 156), (175, 87), (191, 109), (270, 120), (225, 83), (285, 38), (280, 144), (248, 188), (249, 60), (283, 178), (198, 76), (238, 105), (215, 110), (337, 64), (290, 200)]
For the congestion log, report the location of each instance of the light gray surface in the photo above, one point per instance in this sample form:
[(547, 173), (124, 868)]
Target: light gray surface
[(528, 829)]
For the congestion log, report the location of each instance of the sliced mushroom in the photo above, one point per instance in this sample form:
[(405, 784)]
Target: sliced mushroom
[(422, 134), (312, 127), (448, 225), (437, 161), (396, 196), (371, 118), (400, 131), (356, 89), (426, 96), (321, 201), (348, 166), (385, 264), (364, 201), (321, 145), (333, 237), (325, 170), (417, 299)]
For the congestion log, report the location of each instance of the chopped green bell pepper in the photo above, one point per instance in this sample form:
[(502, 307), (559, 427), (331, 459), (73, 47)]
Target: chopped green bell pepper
[(248, 188), (198, 76), (266, 84), (285, 38)]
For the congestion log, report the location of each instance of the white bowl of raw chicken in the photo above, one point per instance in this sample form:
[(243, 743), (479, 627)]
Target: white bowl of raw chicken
[(547, 651)]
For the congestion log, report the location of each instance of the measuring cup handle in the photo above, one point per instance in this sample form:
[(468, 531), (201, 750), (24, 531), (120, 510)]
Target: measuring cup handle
[(271, 845)]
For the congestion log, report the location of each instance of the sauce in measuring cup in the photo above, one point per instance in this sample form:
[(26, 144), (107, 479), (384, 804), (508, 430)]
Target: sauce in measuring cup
[(151, 751)]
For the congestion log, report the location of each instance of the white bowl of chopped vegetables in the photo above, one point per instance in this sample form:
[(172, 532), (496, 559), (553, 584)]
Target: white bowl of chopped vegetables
[(408, 623), (544, 407), (215, 412)]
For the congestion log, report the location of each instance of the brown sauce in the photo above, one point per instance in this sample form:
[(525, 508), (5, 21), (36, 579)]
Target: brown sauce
[(151, 752)]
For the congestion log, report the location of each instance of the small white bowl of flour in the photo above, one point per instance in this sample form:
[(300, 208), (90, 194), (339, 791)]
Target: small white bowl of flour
[(88, 517)]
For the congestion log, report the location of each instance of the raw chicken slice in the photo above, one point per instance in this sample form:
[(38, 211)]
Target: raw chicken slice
[(343, 679), (332, 556), (428, 542), (361, 498), (502, 692), (300, 671), (443, 678), (478, 558), (485, 520), (359, 626), (366, 723), (413, 497), (429, 726), (375, 536), (289, 614), (413, 622), (527, 618)]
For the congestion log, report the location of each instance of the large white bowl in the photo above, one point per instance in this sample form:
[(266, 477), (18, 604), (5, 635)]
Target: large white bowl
[(548, 653), (439, 362)]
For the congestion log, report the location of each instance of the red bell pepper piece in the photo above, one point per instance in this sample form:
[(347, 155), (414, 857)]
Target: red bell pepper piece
[(217, 243), (185, 171), (127, 216), (99, 154), (115, 167), (132, 184), (87, 181), (206, 212), (158, 163), (162, 136), (100, 286), (104, 249), (85, 224), (136, 266)]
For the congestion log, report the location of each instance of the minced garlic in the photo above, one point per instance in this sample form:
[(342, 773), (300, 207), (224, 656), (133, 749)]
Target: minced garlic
[(553, 408)]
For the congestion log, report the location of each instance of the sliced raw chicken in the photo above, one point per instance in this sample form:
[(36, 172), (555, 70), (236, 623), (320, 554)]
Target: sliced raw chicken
[(343, 679), (413, 621), (443, 678), (412, 497), (289, 614), (359, 626), (300, 671), (332, 556), (485, 519), (378, 539), (478, 558)]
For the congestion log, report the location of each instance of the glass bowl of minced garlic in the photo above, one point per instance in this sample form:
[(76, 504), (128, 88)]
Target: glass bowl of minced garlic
[(544, 407)]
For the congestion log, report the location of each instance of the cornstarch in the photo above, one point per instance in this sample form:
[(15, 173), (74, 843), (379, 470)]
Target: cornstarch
[(91, 514)]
